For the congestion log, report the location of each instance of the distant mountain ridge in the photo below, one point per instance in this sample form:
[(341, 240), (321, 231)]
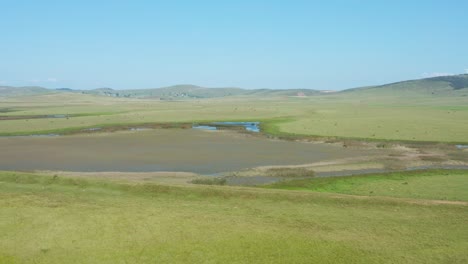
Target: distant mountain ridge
[(453, 85)]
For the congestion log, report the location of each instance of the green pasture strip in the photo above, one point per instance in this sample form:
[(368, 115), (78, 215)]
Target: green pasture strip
[(421, 184), (271, 127), (103, 128), (65, 114), (58, 182), (98, 114)]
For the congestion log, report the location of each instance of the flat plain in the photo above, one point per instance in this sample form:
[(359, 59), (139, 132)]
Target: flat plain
[(422, 118)]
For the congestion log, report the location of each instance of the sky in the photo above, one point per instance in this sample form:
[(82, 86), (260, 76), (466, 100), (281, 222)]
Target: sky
[(327, 45)]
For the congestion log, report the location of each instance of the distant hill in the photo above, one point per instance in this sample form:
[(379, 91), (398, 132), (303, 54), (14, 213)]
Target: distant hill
[(64, 89), (187, 91), (285, 92), (176, 92), (8, 91), (453, 85)]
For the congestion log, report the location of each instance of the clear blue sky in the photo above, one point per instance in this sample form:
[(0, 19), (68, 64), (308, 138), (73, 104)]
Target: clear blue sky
[(252, 44)]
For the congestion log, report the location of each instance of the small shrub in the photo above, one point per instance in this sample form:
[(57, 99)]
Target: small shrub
[(352, 143), (209, 181), (383, 145), (433, 158)]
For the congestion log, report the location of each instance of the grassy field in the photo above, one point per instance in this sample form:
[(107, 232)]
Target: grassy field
[(62, 220), (434, 184), (423, 118)]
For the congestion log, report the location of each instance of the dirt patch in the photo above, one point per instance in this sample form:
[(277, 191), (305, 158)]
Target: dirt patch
[(158, 177)]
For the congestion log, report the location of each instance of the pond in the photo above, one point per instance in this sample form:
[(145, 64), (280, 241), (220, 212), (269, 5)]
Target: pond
[(162, 150)]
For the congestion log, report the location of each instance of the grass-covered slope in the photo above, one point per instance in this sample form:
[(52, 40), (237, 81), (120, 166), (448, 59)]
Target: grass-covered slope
[(454, 85), (57, 220)]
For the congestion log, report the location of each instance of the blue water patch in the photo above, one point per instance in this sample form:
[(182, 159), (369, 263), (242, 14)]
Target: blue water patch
[(205, 127), (138, 129), (249, 126), (462, 146), (92, 129), (253, 128)]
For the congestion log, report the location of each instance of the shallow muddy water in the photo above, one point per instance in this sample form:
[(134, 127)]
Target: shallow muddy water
[(188, 150)]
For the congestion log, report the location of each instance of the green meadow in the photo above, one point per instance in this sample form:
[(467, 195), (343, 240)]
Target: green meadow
[(431, 184), (50, 219), (424, 118)]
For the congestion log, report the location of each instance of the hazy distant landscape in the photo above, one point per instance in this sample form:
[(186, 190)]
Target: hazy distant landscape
[(233, 132)]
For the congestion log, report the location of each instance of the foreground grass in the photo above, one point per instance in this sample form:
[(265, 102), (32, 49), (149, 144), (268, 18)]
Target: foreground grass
[(432, 184), (63, 220)]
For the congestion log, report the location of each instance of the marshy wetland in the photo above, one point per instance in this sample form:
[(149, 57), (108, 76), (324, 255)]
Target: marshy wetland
[(105, 180)]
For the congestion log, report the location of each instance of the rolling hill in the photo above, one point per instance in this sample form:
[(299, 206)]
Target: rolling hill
[(176, 92), (171, 92), (454, 85), (9, 91), (187, 91)]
